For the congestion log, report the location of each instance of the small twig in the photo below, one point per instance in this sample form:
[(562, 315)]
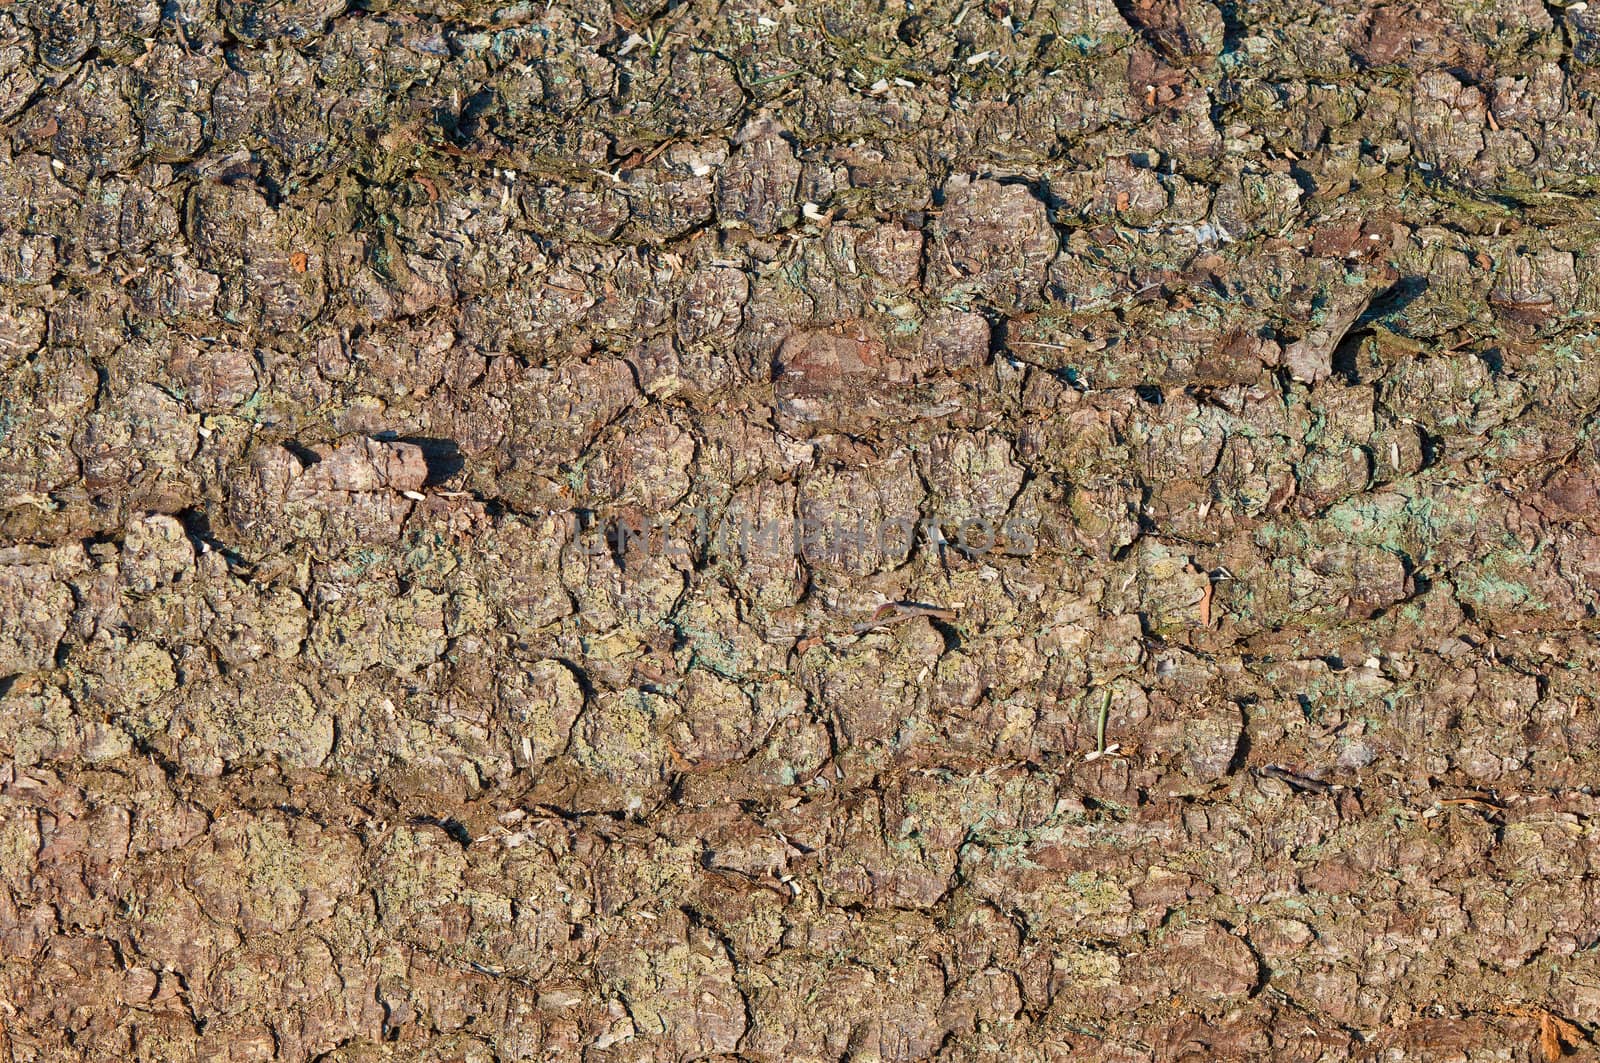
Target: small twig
[(1297, 782), (1105, 714), (1100, 747), (894, 612)]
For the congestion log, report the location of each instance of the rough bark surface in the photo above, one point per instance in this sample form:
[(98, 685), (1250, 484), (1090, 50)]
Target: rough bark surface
[(386, 390)]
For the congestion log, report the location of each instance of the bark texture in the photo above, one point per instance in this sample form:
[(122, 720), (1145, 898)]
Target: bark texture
[(673, 530)]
